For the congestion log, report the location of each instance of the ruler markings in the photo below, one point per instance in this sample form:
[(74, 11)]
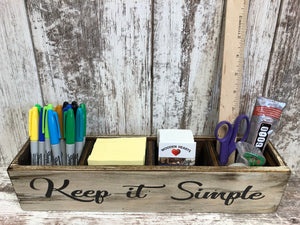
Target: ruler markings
[(233, 56)]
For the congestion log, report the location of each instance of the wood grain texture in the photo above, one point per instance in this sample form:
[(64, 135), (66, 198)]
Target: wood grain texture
[(183, 192), (97, 52), (162, 188), (11, 213), (19, 84), (283, 81), (261, 25), (185, 52)]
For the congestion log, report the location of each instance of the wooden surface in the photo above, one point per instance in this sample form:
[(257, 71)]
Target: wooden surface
[(151, 188), (259, 192), (99, 53), (11, 213), (185, 69), (72, 59)]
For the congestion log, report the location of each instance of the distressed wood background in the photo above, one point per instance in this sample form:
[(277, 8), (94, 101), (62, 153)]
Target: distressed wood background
[(143, 65)]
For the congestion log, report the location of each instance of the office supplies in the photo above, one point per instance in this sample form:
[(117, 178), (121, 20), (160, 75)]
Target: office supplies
[(34, 134), (249, 154), (82, 105), (118, 151), (54, 132), (74, 107), (206, 187), (39, 107), (254, 159), (176, 147), (228, 142), (45, 130), (79, 134), (59, 110), (69, 135), (66, 108), (65, 104), (41, 157), (232, 67), (265, 117)]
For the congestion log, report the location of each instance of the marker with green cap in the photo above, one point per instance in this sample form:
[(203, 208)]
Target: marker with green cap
[(69, 135), (48, 149), (39, 107), (48, 152)]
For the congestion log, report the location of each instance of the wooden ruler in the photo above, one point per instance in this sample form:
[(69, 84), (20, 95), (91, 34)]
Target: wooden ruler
[(233, 55)]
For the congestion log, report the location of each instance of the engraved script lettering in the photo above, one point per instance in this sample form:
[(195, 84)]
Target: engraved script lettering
[(228, 197), (186, 190), (137, 193), (79, 195)]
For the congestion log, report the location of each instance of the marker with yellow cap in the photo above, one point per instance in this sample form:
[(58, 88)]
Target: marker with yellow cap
[(34, 134)]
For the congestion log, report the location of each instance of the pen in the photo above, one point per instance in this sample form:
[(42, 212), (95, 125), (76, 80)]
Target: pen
[(65, 104), (34, 134), (69, 135), (78, 134), (48, 156), (59, 110), (82, 105), (54, 132), (66, 108), (39, 107), (74, 107), (41, 157)]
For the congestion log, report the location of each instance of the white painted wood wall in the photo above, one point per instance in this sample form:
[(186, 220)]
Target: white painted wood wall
[(143, 65)]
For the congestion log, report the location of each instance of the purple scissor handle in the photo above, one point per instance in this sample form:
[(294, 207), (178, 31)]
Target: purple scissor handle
[(228, 144)]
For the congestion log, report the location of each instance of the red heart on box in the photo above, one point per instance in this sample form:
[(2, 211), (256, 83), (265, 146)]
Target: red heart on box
[(175, 151)]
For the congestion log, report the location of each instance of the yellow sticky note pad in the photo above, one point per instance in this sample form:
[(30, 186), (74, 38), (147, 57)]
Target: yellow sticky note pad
[(118, 151)]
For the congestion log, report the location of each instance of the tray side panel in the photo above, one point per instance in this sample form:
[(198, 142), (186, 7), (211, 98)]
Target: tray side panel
[(150, 191)]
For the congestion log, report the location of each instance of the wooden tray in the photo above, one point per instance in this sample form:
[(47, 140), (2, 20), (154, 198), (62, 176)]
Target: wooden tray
[(206, 187)]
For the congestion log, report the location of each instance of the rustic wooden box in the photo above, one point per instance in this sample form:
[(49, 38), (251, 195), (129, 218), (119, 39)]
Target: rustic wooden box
[(206, 187)]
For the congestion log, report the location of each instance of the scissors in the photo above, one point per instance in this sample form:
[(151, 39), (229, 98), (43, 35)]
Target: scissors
[(228, 142)]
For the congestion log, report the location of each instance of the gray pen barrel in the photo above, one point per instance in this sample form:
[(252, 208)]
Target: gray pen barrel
[(56, 154), (34, 150), (79, 146), (48, 157), (41, 157), (70, 152), (63, 151)]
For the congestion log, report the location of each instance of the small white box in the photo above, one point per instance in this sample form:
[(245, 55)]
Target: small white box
[(176, 147)]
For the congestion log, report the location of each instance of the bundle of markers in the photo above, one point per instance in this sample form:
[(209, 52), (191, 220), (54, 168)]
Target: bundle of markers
[(57, 134)]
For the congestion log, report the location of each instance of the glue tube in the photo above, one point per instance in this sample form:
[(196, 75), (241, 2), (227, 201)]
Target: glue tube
[(264, 120)]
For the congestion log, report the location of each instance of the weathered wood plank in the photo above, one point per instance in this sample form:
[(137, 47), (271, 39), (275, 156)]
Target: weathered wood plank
[(283, 81), (19, 84), (11, 213), (262, 19), (151, 191), (185, 52), (97, 52)]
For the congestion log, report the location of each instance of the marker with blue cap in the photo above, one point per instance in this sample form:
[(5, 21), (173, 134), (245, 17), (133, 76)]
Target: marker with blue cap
[(41, 156), (54, 132), (66, 108), (79, 130), (82, 105)]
